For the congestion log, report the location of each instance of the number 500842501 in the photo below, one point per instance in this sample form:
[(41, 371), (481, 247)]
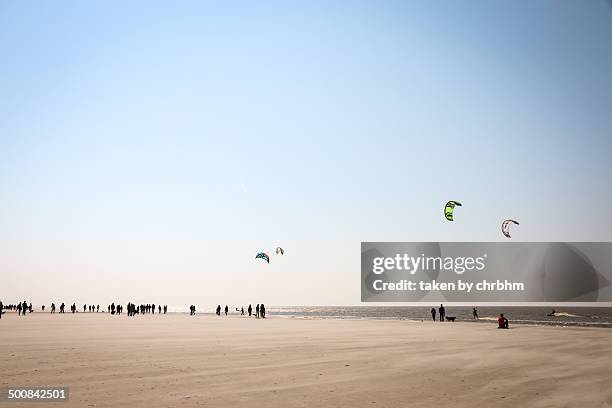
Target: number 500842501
[(34, 394)]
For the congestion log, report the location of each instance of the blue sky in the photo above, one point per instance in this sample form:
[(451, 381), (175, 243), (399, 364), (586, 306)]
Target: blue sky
[(173, 142)]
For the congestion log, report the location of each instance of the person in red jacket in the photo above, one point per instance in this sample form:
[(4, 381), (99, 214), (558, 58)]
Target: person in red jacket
[(502, 322)]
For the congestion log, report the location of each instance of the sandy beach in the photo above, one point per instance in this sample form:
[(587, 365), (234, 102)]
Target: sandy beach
[(204, 361)]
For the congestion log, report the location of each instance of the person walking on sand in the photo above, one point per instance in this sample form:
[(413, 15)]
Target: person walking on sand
[(218, 310), (18, 309), (226, 310), (441, 312), (257, 311), (250, 310), (63, 308), (242, 311), (475, 314), (262, 311), (52, 307), (433, 313)]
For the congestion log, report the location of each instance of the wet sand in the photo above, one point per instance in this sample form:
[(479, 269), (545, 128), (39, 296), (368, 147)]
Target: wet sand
[(206, 361)]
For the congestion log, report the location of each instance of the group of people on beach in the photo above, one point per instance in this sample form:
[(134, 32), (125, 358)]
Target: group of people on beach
[(502, 321), (260, 311), (21, 307), (132, 309)]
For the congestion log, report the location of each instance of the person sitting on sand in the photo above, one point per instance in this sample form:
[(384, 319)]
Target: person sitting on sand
[(502, 322)]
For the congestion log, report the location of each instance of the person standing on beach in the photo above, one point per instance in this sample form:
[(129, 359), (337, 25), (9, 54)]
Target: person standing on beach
[(18, 309), (24, 308), (1, 309), (226, 310), (52, 307), (242, 311), (262, 311), (433, 313), (257, 311), (62, 308), (441, 312), (43, 308), (475, 314), (250, 310), (165, 309)]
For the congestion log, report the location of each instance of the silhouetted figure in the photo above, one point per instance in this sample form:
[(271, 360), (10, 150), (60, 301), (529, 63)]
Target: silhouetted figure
[(502, 322), (226, 310), (113, 308), (475, 314), (84, 308), (43, 308), (153, 308), (218, 310), (24, 308), (165, 309), (250, 310), (262, 311), (97, 308), (62, 308), (257, 311), (441, 312), (159, 309), (30, 307), (18, 309), (433, 313), (52, 307), (1, 309), (242, 311)]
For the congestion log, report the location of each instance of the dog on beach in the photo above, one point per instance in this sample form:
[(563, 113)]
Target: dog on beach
[(450, 318)]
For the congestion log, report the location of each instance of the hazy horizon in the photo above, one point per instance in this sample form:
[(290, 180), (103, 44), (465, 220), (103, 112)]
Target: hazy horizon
[(148, 152)]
